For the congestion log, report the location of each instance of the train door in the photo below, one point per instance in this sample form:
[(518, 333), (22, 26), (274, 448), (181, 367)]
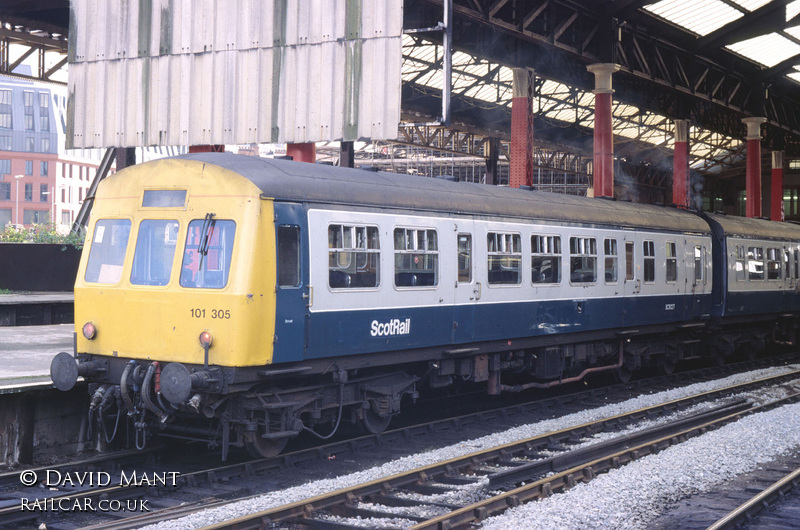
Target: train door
[(789, 280), (292, 294), (632, 284), (698, 276), (467, 286), (793, 292), (633, 281)]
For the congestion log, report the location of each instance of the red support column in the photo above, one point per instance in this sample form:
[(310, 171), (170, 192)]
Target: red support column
[(776, 210), (302, 152), (753, 182), (603, 129), (680, 174), (521, 148)]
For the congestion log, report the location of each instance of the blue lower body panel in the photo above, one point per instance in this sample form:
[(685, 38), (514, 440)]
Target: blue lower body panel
[(339, 333), (761, 302)]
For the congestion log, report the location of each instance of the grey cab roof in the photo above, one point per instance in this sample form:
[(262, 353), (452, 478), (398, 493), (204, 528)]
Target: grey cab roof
[(316, 183)]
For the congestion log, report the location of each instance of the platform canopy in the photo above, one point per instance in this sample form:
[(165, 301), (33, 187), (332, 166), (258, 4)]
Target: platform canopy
[(181, 72)]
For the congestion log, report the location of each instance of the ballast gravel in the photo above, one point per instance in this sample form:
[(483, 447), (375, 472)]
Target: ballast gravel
[(636, 494), (624, 498)]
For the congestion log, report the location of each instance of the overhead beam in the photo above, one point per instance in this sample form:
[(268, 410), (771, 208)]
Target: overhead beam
[(621, 6), (780, 69), (36, 44), (766, 19), (24, 36), (719, 87)]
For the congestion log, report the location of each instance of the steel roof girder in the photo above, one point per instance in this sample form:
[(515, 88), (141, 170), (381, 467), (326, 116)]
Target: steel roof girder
[(684, 63), (763, 20)]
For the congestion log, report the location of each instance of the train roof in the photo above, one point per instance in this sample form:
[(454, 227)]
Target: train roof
[(756, 228), (303, 182)]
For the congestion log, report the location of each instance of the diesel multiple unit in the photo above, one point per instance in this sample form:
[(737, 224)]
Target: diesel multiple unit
[(242, 301)]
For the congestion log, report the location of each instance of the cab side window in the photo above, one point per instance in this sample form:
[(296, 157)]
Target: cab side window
[(289, 256)]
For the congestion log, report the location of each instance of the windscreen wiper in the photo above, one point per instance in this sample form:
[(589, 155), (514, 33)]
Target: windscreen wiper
[(205, 238)]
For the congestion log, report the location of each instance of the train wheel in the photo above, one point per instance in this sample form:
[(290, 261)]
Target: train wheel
[(667, 366), (374, 424), (259, 447), (623, 374)]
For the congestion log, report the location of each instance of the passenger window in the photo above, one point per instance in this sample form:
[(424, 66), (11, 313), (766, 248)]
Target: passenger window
[(741, 260), (611, 261), (289, 256), (155, 252), (699, 266), (505, 258), (353, 257), (464, 258), (649, 252), (546, 259), (582, 260), (107, 251), (416, 258), (773, 264), (207, 255), (755, 263), (672, 262), (629, 263)]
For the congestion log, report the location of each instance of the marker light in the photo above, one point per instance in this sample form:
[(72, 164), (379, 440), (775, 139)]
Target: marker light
[(206, 340), (89, 331)]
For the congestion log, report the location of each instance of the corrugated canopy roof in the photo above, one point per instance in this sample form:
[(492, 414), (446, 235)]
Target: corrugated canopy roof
[(704, 17), (698, 16)]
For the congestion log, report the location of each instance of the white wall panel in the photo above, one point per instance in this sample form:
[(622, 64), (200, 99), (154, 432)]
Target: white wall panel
[(190, 72)]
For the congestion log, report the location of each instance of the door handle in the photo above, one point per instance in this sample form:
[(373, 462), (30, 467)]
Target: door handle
[(309, 296)]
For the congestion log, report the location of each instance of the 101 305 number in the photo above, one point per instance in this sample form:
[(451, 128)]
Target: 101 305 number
[(223, 314)]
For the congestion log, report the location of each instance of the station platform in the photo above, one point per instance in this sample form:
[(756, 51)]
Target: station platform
[(26, 352), (36, 308)]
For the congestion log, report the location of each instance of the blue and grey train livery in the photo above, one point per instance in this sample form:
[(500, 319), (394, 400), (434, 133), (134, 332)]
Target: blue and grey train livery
[(283, 297)]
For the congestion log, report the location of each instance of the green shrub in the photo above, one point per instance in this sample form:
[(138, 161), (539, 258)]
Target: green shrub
[(40, 233)]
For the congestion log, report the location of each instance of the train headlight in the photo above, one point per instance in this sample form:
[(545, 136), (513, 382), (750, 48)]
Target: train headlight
[(206, 339), (89, 331)]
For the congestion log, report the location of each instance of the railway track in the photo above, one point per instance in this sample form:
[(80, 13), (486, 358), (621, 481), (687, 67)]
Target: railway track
[(760, 502), (206, 483), (517, 469)]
